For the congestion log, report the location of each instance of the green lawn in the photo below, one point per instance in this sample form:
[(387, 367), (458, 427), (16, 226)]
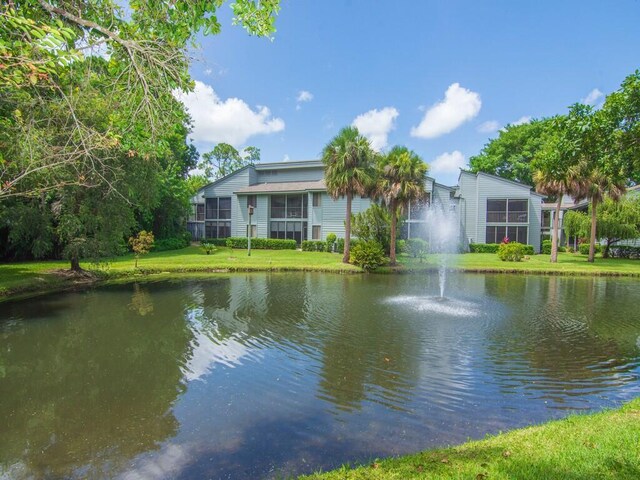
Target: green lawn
[(600, 446), (27, 277)]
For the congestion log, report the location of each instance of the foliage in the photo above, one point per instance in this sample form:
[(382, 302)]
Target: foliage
[(417, 247), (331, 240), (314, 246), (511, 154), (483, 247), (546, 247), (141, 244), (624, 251), (400, 180), (374, 224), (511, 252), (262, 243), (224, 159), (220, 242), (172, 243), (618, 221), (367, 255), (348, 170), (208, 248), (583, 248), (138, 49), (575, 224)]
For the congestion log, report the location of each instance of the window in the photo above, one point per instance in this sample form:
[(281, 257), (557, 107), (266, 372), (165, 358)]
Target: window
[(289, 206), (316, 232), (495, 234), (218, 208), (496, 211), (290, 230), (251, 201), (507, 211), (316, 199), (200, 212), (517, 234), (219, 229), (546, 218)]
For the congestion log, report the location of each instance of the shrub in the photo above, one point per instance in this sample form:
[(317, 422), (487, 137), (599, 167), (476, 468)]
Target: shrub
[(218, 242), (340, 245), (583, 248), (483, 247), (208, 248), (314, 246), (374, 224), (417, 248), (401, 246), (546, 247), (367, 255), (141, 244), (331, 240), (262, 243), (511, 252), (172, 243)]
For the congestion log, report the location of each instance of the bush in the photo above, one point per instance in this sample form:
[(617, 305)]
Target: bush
[(367, 255), (401, 246), (417, 248), (583, 248), (172, 243), (314, 246), (208, 248), (331, 240), (483, 247), (262, 243), (218, 242), (340, 245), (511, 252), (546, 247)]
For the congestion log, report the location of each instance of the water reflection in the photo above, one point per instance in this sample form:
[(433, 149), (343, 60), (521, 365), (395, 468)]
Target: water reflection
[(266, 375)]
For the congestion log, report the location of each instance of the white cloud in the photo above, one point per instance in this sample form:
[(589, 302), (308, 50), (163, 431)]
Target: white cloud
[(304, 96), (593, 97), (448, 163), (489, 126), (376, 125), (522, 120), (230, 121), (458, 106), (208, 71), (286, 158)]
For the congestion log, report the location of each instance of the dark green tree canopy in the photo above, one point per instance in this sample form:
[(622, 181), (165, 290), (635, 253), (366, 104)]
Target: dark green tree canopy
[(511, 153), (224, 159)]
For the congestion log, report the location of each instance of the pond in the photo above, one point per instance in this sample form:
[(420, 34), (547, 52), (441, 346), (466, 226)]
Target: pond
[(268, 375)]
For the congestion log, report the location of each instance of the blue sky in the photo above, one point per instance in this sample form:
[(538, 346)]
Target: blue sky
[(438, 77)]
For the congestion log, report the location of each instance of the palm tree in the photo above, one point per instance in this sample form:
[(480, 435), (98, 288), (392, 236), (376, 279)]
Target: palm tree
[(401, 179), (348, 170), (594, 185)]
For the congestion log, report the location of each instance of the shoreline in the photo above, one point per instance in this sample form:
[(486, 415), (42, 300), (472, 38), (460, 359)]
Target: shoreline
[(57, 282)]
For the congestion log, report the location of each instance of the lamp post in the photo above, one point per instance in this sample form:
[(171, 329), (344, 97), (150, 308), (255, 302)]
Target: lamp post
[(250, 209)]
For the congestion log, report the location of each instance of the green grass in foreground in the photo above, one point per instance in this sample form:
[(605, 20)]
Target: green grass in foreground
[(16, 278), (600, 446)]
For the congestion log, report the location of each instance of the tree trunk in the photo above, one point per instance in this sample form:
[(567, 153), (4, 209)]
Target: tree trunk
[(592, 241), (75, 264), (392, 240), (347, 231), (554, 233)]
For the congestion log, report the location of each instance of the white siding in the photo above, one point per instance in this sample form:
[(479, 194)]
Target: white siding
[(307, 174)]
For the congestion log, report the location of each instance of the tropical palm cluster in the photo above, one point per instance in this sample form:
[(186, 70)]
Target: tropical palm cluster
[(396, 178)]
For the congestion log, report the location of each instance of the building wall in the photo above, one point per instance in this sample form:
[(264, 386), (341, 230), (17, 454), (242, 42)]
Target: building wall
[(290, 175)]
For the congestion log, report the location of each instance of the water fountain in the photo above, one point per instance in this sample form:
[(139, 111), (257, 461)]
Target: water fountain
[(443, 230)]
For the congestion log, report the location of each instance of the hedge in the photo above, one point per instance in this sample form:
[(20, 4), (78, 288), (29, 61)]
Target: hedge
[(218, 242), (172, 243), (314, 246), (583, 248), (494, 247), (262, 243), (546, 247)]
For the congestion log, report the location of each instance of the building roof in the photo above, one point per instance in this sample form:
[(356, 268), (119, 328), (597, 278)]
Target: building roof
[(283, 187)]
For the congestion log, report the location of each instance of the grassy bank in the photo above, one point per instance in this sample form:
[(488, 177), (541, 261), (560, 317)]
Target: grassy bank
[(604, 445), (25, 277)]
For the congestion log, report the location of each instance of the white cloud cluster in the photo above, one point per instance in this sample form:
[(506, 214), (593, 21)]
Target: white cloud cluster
[(490, 126), (303, 97), (231, 121), (376, 125), (458, 106), (448, 163), (593, 97)]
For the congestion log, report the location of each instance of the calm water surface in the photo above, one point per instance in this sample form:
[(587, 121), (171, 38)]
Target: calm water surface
[(267, 375)]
